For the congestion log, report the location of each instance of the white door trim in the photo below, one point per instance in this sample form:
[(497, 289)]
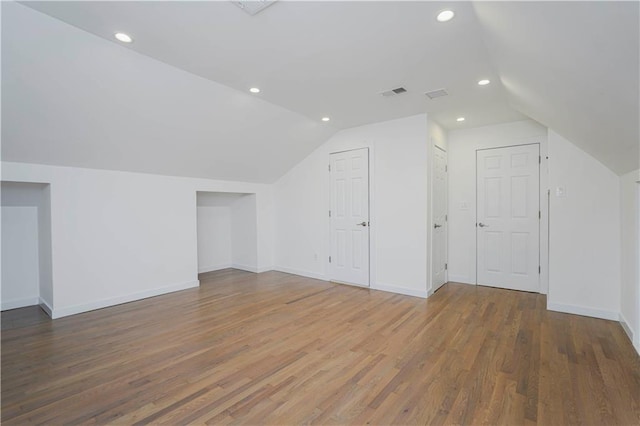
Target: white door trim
[(543, 205)]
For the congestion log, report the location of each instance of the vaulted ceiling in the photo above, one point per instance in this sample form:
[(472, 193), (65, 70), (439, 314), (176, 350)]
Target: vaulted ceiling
[(81, 100), (574, 67)]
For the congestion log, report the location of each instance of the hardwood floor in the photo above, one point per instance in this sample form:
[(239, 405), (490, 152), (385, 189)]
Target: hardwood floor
[(281, 349)]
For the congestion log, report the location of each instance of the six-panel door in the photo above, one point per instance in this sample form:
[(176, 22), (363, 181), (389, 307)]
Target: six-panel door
[(349, 220), (508, 211), (439, 197)]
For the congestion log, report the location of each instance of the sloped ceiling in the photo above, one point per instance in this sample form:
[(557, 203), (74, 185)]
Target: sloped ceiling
[(175, 101), (72, 99), (318, 58), (572, 66)]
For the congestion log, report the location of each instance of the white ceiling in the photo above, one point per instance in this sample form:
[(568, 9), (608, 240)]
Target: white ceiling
[(72, 99), (571, 66), (316, 58)]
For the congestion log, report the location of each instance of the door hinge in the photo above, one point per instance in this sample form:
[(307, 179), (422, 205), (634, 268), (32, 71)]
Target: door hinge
[(329, 167), (446, 168), (539, 269), (539, 159), (539, 214), (446, 217), (329, 259), (446, 266), (329, 213)]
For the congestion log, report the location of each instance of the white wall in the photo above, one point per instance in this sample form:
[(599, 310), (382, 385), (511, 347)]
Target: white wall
[(71, 98), (399, 208), (20, 270), (214, 238), (216, 234), (630, 256), (462, 146), (120, 236), (26, 245), (437, 135), (244, 233), (584, 233), (45, 255)]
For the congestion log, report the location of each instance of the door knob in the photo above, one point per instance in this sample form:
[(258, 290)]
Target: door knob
[(435, 225), (362, 224), (482, 225)]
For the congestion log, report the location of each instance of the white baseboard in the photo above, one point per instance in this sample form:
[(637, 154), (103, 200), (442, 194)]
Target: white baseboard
[(98, 304), (19, 303), (245, 267), (430, 292), (381, 287), (581, 310), (204, 269), (400, 290), (349, 284), (300, 272), (625, 326), (459, 279), (635, 341), (46, 307)]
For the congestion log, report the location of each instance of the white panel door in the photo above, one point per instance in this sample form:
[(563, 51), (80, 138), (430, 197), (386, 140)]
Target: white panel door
[(349, 257), (439, 247), (508, 217)]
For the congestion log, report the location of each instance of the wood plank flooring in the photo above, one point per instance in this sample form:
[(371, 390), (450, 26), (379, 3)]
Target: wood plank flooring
[(274, 348)]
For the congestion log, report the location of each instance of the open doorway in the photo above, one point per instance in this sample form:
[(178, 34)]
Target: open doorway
[(227, 231), (26, 246)]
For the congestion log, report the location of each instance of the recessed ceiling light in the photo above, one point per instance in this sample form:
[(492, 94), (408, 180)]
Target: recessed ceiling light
[(460, 119), (125, 38), (325, 119), (254, 90), (445, 15), (484, 82)]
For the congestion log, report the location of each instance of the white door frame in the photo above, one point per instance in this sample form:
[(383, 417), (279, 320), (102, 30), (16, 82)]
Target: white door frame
[(371, 224), (543, 200)]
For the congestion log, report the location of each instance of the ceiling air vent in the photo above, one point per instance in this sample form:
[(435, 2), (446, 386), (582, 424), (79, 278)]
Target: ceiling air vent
[(437, 93), (393, 92), (253, 6)]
